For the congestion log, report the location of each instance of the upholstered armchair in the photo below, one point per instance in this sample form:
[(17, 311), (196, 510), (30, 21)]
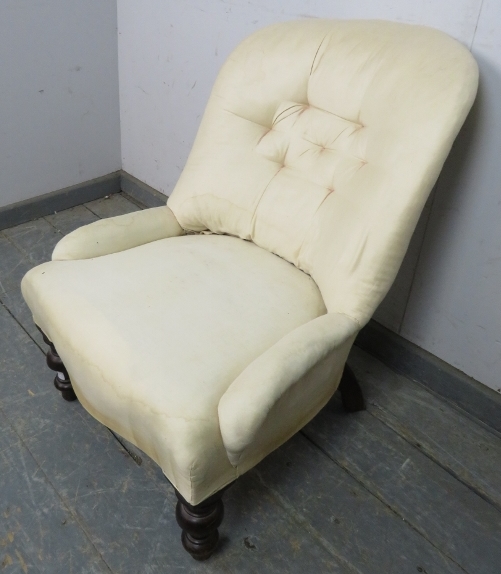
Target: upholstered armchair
[(209, 331)]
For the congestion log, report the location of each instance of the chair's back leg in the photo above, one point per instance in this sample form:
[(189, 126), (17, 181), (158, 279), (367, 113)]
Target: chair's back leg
[(351, 393)]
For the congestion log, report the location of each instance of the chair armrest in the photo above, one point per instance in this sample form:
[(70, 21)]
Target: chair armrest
[(280, 391), (118, 234)]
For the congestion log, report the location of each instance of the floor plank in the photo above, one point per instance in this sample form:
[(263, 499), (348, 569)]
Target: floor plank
[(13, 265), (452, 439), (260, 535), (21, 362), (423, 494), (363, 530), (36, 239), (112, 205), (37, 532), (70, 219), (16, 305)]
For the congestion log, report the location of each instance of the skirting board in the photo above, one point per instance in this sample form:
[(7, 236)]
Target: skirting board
[(392, 349), (141, 192), (422, 367), (29, 209), (48, 203)]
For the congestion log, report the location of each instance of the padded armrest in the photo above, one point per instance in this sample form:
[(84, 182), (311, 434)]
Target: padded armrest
[(118, 234), (284, 388)]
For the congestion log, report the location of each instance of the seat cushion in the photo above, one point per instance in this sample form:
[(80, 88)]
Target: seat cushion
[(152, 337)]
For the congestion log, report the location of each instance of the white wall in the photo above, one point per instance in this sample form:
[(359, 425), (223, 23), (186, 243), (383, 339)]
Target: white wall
[(454, 310), (59, 109), (169, 55)]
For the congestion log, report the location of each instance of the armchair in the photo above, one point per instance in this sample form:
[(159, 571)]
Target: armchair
[(208, 331)]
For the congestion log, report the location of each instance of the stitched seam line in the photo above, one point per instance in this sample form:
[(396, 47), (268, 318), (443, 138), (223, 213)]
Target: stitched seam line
[(281, 116), (316, 54), (191, 484), (349, 317), (307, 231), (254, 214)]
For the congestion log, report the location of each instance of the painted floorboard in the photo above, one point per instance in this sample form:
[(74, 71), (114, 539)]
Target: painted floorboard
[(70, 219), (112, 205), (468, 450), (38, 533), (361, 529), (36, 239), (13, 265), (21, 362), (16, 305), (424, 495)]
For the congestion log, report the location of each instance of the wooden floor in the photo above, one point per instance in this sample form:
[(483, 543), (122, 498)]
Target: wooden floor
[(412, 485)]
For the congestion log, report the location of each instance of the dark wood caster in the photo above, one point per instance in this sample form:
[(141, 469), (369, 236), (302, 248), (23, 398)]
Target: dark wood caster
[(199, 524), (62, 379), (351, 393)]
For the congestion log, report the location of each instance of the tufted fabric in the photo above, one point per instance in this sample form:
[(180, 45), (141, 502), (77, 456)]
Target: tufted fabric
[(321, 142)]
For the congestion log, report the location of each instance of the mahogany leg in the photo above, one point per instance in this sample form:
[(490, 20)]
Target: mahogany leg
[(351, 393), (62, 379), (200, 524)]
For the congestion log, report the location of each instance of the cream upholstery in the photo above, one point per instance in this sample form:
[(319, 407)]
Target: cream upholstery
[(153, 337), (321, 142), (118, 234), (318, 148)]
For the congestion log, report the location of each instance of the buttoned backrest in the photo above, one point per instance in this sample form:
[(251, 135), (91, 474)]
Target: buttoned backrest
[(321, 142)]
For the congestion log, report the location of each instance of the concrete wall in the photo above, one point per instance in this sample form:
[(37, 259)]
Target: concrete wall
[(445, 297), (59, 108)]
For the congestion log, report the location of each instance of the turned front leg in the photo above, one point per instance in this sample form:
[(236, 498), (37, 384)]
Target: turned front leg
[(200, 524), (62, 379)]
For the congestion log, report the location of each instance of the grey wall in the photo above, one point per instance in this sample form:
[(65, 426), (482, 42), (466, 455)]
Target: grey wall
[(454, 309), (59, 106)]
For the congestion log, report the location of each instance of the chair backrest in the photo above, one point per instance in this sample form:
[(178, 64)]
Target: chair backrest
[(321, 142)]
